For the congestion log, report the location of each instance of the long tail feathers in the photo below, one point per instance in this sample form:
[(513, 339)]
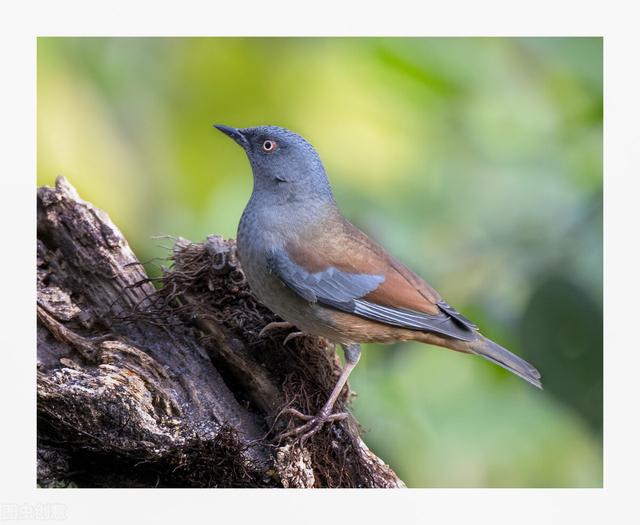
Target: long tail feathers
[(501, 356)]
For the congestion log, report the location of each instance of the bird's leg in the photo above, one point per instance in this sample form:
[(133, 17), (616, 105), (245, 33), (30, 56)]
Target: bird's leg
[(276, 325), (315, 423)]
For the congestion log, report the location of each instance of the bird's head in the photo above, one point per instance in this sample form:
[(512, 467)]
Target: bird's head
[(284, 164)]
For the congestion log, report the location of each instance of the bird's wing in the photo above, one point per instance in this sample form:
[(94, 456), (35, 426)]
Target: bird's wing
[(351, 273)]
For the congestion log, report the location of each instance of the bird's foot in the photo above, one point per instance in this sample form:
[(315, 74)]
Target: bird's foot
[(276, 325), (312, 425)]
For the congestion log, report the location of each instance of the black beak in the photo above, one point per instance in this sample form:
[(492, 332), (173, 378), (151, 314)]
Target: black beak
[(234, 133)]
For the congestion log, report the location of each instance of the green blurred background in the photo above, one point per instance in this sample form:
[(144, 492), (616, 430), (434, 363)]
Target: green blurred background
[(477, 161)]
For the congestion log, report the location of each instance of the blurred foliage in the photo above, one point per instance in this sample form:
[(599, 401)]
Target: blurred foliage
[(477, 161)]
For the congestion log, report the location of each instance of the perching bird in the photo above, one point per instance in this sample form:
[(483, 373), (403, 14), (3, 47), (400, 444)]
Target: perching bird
[(321, 274)]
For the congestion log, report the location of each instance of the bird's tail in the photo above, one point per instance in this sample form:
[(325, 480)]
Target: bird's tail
[(501, 356)]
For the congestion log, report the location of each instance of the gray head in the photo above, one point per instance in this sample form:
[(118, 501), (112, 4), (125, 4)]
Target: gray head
[(285, 166)]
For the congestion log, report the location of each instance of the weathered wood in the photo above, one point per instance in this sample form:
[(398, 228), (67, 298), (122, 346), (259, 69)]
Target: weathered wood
[(139, 386)]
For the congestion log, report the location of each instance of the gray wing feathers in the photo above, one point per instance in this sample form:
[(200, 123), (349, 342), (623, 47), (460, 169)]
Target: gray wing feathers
[(344, 290), (411, 319), (447, 308), (328, 286)]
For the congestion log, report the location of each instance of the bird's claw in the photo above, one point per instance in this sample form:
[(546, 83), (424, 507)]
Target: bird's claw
[(292, 335), (280, 325), (312, 425), (276, 325)]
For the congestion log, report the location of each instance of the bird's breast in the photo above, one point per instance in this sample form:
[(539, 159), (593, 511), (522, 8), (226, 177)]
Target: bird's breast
[(257, 237), (259, 234)]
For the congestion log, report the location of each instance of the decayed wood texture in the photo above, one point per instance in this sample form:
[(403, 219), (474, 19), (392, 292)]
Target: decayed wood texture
[(171, 385)]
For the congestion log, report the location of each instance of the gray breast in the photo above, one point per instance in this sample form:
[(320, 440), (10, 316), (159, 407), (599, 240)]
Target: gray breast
[(257, 235), (255, 239)]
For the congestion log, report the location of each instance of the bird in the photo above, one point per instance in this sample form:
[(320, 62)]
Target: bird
[(324, 276)]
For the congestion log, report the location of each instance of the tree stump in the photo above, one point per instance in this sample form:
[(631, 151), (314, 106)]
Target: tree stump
[(170, 385)]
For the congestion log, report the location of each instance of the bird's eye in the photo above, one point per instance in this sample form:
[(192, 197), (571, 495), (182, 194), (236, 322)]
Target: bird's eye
[(269, 146)]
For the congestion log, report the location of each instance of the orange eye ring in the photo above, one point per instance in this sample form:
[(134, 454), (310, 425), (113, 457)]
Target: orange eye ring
[(269, 146)]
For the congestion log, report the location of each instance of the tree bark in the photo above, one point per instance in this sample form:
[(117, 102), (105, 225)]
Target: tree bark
[(171, 386)]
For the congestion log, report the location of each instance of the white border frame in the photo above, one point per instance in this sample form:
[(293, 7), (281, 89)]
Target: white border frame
[(23, 21)]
